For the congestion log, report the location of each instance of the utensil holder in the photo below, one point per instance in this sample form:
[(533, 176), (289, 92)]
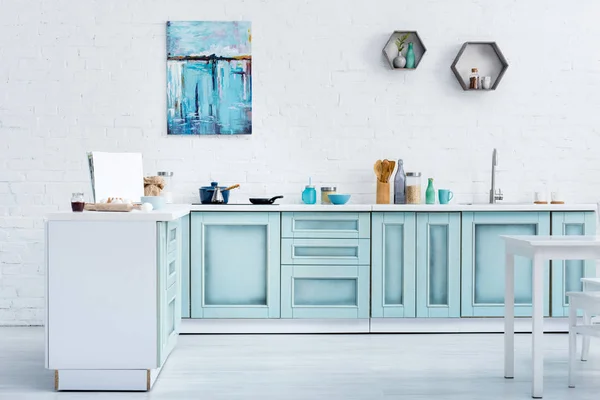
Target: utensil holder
[(383, 193)]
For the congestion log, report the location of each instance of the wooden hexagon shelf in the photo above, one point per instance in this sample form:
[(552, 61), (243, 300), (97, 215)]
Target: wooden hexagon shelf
[(390, 51), (486, 57)]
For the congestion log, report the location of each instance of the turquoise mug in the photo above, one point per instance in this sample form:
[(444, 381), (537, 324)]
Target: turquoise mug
[(445, 196)]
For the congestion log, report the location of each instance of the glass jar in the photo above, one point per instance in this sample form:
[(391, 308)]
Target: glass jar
[(167, 191), (474, 79), (77, 202), (325, 192), (413, 188), (309, 195)]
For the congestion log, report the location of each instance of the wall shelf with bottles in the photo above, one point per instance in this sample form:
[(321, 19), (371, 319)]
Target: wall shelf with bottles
[(489, 61), (390, 50)]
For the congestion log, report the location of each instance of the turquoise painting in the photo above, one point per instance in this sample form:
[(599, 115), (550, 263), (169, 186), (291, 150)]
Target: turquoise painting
[(209, 78)]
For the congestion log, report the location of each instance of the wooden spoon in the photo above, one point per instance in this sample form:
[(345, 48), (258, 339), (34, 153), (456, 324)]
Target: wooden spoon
[(386, 168), (378, 168)]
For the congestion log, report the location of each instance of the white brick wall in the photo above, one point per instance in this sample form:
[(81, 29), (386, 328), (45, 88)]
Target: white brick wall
[(90, 75)]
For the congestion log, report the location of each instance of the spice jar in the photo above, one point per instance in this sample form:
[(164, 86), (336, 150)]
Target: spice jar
[(167, 191), (474, 79), (77, 202), (325, 192), (413, 188)]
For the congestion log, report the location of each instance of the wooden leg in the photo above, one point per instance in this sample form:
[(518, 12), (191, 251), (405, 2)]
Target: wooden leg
[(509, 317), (538, 328), (572, 342), (585, 349)]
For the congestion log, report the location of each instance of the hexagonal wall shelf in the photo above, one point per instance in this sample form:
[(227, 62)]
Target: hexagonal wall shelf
[(390, 51), (486, 57)]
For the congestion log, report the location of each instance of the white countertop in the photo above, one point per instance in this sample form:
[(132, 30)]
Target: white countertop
[(395, 207), (171, 212), (174, 211)]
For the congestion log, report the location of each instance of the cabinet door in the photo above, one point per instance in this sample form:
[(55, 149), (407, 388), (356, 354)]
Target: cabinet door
[(320, 225), (566, 275), (325, 291), (438, 265), (185, 266), (235, 265), (483, 262), (393, 264)]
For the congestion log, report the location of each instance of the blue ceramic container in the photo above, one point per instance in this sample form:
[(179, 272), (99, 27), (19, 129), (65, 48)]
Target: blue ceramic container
[(157, 202)]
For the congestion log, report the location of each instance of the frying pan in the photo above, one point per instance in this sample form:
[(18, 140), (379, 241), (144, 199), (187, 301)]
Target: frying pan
[(264, 200)]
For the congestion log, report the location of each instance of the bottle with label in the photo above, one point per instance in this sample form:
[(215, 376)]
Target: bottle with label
[(400, 184), (430, 193), (309, 194)]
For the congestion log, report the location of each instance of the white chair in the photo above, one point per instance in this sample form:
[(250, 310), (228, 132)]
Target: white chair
[(589, 303), (589, 285)]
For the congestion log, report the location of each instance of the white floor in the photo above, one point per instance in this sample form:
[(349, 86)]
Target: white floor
[(280, 367)]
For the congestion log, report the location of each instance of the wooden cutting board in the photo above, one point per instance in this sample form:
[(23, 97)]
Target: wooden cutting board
[(109, 207)]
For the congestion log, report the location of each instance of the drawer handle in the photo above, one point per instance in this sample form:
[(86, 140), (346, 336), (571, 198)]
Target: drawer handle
[(325, 251)]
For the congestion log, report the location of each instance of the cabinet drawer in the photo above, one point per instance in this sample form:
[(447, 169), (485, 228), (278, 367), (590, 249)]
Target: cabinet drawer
[(325, 251), (324, 291), (335, 225)]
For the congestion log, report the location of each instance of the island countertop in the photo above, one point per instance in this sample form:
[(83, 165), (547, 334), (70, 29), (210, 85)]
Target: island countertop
[(170, 212)]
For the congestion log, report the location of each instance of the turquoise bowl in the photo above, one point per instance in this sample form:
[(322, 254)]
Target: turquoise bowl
[(157, 202), (339, 199)]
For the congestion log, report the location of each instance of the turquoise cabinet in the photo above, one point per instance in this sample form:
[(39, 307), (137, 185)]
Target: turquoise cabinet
[(325, 265), (566, 275), (483, 262), (185, 266), (393, 264), (169, 286), (324, 291), (235, 265), (438, 265)]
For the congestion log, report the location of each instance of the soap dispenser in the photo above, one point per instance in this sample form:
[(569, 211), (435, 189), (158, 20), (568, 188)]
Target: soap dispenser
[(309, 194)]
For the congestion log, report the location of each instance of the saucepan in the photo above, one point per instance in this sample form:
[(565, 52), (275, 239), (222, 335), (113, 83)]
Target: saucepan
[(265, 200)]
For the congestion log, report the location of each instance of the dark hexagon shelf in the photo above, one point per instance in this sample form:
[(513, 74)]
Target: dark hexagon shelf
[(486, 57), (390, 51)]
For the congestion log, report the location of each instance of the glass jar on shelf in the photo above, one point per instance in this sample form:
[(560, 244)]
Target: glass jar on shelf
[(325, 192), (413, 188), (474, 79)]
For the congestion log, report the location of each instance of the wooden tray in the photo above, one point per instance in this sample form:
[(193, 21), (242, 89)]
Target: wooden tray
[(109, 207)]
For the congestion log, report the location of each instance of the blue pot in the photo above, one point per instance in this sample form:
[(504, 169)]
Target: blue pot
[(206, 193)]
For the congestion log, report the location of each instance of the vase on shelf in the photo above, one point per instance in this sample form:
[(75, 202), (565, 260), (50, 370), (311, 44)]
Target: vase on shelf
[(410, 56), (430, 193), (399, 61)]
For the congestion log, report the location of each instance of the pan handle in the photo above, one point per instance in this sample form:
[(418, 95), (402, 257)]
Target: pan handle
[(272, 199)]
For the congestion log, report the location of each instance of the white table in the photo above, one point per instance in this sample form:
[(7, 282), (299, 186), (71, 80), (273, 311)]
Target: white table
[(539, 249)]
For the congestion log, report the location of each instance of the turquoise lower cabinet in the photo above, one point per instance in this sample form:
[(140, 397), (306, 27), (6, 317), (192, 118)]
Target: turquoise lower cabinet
[(393, 264), (566, 275), (323, 225), (438, 265), (324, 291), (185, 267), (483, 262), (235, 265)]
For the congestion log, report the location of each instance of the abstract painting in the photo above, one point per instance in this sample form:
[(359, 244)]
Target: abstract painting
[(209, 78)]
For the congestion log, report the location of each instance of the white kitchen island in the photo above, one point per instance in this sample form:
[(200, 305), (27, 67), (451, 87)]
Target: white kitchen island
[(113, 287)]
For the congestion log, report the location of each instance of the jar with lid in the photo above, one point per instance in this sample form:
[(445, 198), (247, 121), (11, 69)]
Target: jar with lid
[(413, 188), (77, 202), (309, 194), (474, 79), (325, 192), (167, 191)]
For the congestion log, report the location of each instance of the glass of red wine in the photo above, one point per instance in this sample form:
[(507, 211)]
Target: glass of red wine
[(77, 202)]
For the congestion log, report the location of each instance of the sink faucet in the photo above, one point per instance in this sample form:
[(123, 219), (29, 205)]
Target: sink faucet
[(495, 194)]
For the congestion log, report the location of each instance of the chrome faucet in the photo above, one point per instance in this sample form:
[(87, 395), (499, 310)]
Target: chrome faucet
[(495, 194)]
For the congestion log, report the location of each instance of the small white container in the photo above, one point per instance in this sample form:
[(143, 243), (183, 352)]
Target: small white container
[(557, 198), (540, 198), (167, 191)]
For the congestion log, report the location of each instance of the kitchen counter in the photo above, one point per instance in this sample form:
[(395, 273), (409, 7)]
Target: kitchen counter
[(395, 207), (171, 212)]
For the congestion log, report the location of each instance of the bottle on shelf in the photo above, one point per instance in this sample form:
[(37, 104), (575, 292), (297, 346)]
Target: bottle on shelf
[(474, 79), (410, 56), (400, 184), (430, 193)]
